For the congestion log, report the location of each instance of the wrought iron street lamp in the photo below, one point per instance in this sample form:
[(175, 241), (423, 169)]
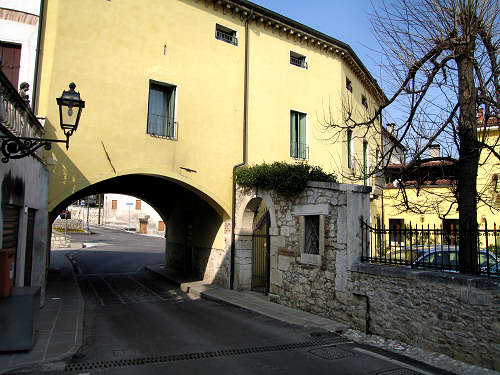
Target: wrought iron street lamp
[(70, 110)]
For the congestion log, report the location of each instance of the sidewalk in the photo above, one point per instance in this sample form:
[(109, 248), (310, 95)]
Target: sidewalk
[(248, 300), (61, 319)]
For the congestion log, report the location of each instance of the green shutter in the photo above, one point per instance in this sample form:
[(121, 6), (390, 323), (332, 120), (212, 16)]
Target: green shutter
[(302, 146), (349, 151), (293, 134), (171, 113), (365, 163)]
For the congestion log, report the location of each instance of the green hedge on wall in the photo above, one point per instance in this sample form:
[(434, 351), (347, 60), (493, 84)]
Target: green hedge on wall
[(282, 177)]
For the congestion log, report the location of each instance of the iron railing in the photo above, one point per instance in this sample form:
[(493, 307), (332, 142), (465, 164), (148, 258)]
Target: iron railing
[(297, 61), (162, 126), (16, 117), (428, 247), (226, 37), (299, 151)]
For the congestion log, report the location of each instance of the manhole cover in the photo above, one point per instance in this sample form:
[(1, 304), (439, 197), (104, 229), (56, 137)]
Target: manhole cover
[(398, 371), (331, 353)]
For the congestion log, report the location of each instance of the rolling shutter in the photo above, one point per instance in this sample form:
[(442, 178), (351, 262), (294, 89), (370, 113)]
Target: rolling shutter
[(10, 227)]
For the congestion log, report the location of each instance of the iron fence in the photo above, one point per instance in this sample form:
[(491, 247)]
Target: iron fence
[(428, 247)]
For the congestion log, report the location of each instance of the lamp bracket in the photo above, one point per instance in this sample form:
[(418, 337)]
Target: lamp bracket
[(19, 147)]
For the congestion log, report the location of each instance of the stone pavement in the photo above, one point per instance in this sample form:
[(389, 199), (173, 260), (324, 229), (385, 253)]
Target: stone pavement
[(61, 319)]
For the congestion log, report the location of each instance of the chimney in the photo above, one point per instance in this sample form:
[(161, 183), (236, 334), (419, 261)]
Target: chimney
[(434, 151), (390, 128)]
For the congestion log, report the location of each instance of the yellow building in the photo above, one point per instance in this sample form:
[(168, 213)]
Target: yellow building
[(180, 92), (428, 201)]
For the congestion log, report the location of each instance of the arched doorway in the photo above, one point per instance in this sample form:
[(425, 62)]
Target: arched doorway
[(261, 249), (255, 241)]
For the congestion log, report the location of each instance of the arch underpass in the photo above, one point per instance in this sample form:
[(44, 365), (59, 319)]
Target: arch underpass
[(195, 241)]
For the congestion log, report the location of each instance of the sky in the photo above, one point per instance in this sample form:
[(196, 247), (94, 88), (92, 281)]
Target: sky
[(347, 21)]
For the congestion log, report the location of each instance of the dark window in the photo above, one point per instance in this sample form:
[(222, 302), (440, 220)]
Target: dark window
[(298, 142), (364, 101), (10, 55), (450, 231), (298, 60), (348, 84), (311, 232), (161, 111), (396, 227), (225, 34)]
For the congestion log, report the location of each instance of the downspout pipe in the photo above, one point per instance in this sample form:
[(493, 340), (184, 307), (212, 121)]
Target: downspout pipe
[(245, 151), (41, 19)]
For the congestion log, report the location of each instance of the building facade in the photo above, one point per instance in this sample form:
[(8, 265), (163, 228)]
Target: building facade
[(25, 181), (214, 85)]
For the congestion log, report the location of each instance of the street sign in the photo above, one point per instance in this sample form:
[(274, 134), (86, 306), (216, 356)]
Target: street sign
[(129, 204)]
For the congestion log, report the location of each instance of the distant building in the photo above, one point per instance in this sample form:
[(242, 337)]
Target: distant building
[(130, 212)]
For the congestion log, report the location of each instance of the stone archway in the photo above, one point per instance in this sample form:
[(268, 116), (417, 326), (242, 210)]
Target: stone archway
[(248, 202)]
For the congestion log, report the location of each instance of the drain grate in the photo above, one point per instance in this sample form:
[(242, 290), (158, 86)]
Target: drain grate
[(202, 355), (398, 371), (331, 353)]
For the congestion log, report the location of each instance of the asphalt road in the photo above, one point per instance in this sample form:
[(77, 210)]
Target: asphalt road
[(137, 323)]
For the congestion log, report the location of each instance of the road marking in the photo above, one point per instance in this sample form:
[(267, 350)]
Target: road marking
[(114, 291), (101, 302), (145, 287)]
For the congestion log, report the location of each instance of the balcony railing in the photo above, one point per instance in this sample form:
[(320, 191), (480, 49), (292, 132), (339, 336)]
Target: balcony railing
[(226, 37), (299, 151), (16, 117), (300, 62)]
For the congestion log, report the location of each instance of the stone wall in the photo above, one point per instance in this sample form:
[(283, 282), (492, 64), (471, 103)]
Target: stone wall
[(444, 312), (71, 224), (59, 241)]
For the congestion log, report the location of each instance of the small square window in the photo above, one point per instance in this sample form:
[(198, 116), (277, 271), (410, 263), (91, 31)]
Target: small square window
[(348, 84), (311, 233), (364, 101), (298, 60), (226, 34)]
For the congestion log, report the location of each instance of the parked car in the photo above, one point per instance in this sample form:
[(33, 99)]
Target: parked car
[(408, 255), (65, 214), (446, 257)]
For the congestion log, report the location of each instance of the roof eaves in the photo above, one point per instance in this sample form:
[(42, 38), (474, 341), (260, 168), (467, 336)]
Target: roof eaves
[(316, 33)]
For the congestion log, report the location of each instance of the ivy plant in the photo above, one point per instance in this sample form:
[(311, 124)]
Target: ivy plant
[(283, 177)]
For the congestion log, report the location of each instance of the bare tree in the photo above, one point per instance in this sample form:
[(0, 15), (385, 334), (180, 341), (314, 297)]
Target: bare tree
[(442, 60)]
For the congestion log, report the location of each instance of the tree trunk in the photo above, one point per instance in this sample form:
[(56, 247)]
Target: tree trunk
[(467, 164)]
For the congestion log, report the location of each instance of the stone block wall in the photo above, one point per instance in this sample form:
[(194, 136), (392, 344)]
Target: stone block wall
[(445, 312), (59, 241), (450, 313)]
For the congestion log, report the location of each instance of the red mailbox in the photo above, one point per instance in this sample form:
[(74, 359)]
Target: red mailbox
[(7, 267)]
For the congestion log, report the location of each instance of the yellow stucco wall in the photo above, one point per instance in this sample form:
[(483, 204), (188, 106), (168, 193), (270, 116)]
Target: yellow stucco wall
[(112, 49), (435, 201)]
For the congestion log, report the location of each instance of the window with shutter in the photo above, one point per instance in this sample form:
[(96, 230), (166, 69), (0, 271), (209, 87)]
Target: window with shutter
[(10, 55), (298, 135), (161, 111)]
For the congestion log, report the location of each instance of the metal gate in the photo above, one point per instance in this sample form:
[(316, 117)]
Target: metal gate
[(260, 258)]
